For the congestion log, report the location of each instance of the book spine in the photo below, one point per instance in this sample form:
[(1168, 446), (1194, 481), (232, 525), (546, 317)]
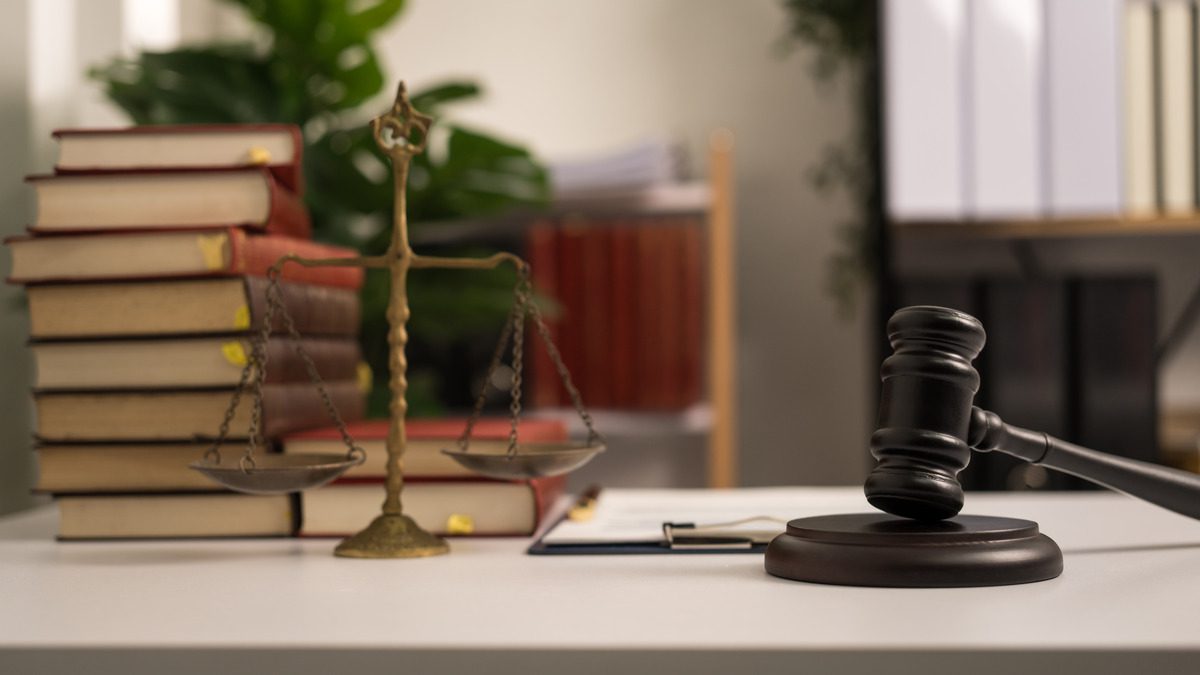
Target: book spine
[(1141, 166), (623, 312), (288, 408), (292, 175), (571, 303), (316, 310), (693, 303), (541, 248), (334, 360), (1175, 106), (288, 216), (596, 379), (256, 254), (546, 492), (649, 327)]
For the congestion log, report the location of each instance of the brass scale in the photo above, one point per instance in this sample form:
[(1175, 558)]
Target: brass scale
[(401, 133)]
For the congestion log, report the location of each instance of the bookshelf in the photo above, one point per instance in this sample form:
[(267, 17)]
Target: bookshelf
[(715, 418)]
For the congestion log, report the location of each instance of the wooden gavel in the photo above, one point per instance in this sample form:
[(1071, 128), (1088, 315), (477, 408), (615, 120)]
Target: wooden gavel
[(928, 427)]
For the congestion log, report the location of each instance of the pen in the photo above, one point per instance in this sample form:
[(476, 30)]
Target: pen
[(585, 506)]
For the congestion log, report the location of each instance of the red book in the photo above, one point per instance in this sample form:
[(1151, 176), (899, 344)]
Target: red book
[(693, 304), (278, 147), (463, 508), (426, 438), (624, 301), (171, 254), (540, 247), (571, 300), (595, 380), (655, 315), (168, 200)]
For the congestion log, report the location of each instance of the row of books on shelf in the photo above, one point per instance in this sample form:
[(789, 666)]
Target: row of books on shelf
[(629, 303), (1002, 109), (144, 272)]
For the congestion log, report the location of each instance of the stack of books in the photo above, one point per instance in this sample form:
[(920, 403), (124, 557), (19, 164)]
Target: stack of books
[(442, 496), (145, 274)]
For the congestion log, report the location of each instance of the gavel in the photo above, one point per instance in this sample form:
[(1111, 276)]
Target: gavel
[(928, 427)]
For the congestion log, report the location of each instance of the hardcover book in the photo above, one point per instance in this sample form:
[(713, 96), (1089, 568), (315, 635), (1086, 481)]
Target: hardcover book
[(187, 414), (165, 254), (184, 146), (175, 516), (172, 363), (480, 507), (88, 468), (250, 198), (204, 306)]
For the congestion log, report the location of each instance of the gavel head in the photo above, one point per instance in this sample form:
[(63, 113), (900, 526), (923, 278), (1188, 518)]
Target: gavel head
[(929, 386)]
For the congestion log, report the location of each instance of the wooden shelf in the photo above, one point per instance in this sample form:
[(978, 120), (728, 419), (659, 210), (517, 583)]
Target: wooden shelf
[(1057, 228)]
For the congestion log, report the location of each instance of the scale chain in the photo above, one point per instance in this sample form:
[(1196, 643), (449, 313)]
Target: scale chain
[(524, 307), (464, 439), (257, 364)]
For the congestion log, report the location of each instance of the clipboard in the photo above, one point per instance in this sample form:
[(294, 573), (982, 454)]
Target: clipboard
[(620, 524)]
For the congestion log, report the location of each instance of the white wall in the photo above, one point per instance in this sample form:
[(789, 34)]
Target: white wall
[(590, 75)]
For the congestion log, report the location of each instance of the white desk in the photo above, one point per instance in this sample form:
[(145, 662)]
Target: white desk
[(1129, 601)]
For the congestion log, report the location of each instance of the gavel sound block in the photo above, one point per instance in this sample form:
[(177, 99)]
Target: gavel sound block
[(927, 430)]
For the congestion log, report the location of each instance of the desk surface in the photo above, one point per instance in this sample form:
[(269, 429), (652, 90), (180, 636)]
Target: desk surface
[(1131, 584)]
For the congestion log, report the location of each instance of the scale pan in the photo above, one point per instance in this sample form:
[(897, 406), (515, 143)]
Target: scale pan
[(531, 460), (276, 474)]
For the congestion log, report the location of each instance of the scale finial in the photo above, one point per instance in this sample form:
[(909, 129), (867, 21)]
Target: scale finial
[(394, 130)]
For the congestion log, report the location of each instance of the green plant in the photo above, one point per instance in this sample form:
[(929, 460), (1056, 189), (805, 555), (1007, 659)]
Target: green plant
[(315, 68), (844, 34)]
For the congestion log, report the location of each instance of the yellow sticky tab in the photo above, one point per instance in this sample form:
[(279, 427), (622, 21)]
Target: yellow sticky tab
[(366, 378), (234, 353), (212, 250), (460, 523), (241, 318), (258, 155)]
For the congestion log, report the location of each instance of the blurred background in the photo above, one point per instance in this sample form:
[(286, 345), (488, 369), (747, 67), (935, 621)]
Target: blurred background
[(725, 200), (572, 84)]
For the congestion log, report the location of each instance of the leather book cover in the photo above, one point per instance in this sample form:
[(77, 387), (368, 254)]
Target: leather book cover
[(316, 310), (288, 408)]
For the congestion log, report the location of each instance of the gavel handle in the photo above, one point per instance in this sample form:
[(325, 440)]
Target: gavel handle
[(1172, 489)]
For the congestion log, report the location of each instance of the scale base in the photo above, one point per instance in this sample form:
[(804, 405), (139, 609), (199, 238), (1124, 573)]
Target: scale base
[(392, 536), (875, 549)]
